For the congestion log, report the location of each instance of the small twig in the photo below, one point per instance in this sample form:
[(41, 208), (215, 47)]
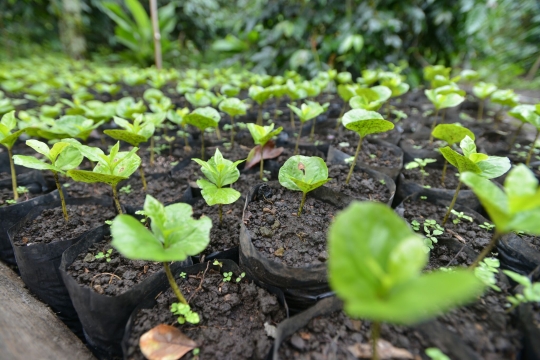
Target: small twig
[(112, 275), (459, 238), (455, 256), (200, 284)]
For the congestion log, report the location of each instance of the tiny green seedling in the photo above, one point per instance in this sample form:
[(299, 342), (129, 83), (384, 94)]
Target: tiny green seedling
[(62, 157), (486, 270), (370, 98), (240, 277), (8, 137), (182, 275), (515, 208), (421, 164), (531, 292), (23, 190), (261, 136), (483, 91), (217, 263), (487, 226), (220, 172), (110, 169), (308, 111), (178, 117), (233, 107), (460, 215), (104, 255), (126, 189), (451, 134), (303, 173), (486, 166), (173, 236), (525, 114), (431, 230), (375, 267), (227, 276), (260, 95), (364, 123), (203, 118)]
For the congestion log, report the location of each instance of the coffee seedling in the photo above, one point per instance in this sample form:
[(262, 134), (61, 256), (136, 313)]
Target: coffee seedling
[(442, 99), (178, 117), (370, 98), (110, 169), (364, 123), (7, 138), (62, 157), (261, 135), (483, 91), (233, 107), (308, 111), (375, 267), (460, 215), (173, 236), (106, 255), (451, 134), (517, 208), (488, 167), (220, 172), (303, 173), (525, 114), (421, 164), (203, 118)]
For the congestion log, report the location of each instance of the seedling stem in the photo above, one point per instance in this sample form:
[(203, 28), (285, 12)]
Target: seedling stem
[(174, 287), (220, 215), (533, 145), (13, 175), (292, 118), (433, 126), (61, 194), (232, 132), (302, 203), (487, 250), (116, 200), (354, 160), (444, 171), (454, 199), (261, 171), (297, 140), (259, 116), (375, 333), (480, 110), (513, 141), (151, 151)]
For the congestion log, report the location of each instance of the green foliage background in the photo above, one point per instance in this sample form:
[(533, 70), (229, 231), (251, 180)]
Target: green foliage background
[(271, 36)]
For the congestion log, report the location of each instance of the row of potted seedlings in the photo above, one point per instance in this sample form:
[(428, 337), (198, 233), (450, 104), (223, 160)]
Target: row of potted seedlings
[(282, 232)]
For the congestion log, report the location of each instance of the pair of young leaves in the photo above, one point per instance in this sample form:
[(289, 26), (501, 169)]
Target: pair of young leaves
[(7, 126)]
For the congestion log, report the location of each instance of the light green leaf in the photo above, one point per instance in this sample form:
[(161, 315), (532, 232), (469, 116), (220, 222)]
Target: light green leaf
[(39, 146), (9, 121), (69, 158), (32, 163), (214, 195), (366, 122), (57, 150), (203, 118), (126, 135), (494, 166), (452, 133), (94, 177), (9, 141), (468, 146), (233, 107), (303, 173), (262, 134), (461, 162)]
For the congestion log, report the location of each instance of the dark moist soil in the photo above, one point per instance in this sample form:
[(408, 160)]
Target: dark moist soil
[(361, 186), (248, 180), (433, 180), (50, 226), (7, 194), (370, 154), (98, 273), (534, 241), (466, 232), (280, 235), (232, 318), (226, 235), (329, 337)]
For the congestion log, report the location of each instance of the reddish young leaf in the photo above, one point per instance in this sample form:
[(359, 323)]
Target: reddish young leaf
[(165, 342), (269, 152)]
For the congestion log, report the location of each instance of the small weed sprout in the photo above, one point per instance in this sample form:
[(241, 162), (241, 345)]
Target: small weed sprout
[(104, 255), (240, 277), (182, 275), (227, 276), (460, 215), (486, 270), (126, 189), (487, 226), (23, 190), (421, 164), (217, 263), (436, 354), (531, 292)]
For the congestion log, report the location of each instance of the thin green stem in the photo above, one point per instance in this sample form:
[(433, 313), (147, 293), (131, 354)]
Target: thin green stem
[(312, 135), (454, 199), (513, 141), (202, 145), (375, 334), (61, 194), (151, 150), (261, 171), (291, 115), (298, 139), (354, 160), (143, 179), (480, 110), (116, 200), (13, 175), (433, 127), (220, 215), (487, 250), (343, 109), (259, 116), (186, 144), (533, 145), (232, 132), (218, 133), (444, 172), (302, 203), (174, 287)]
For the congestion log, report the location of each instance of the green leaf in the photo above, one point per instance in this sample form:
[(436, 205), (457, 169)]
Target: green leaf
[(56, 150), (307, 111), (127, 136), (94, 177), (461, 162), (375, 268), (214, 195), (452, 133), (233, 107), (262, 134), (69, 158), (218, 170), (32, 163), (483, 90), (494, 166), (468, 146), (366, 122), (525, 113), (303, 173), (9, 141), (39, 146), (203, 118), (9, 121)]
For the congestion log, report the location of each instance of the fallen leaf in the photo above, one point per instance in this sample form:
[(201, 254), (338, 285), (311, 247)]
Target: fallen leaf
[(165, 342), (385, 350), (269, 152), (279, 252), (25, 240)]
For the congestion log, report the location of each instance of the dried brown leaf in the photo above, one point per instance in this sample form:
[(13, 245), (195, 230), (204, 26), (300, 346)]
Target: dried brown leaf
[(269, 152), (165, 342)]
